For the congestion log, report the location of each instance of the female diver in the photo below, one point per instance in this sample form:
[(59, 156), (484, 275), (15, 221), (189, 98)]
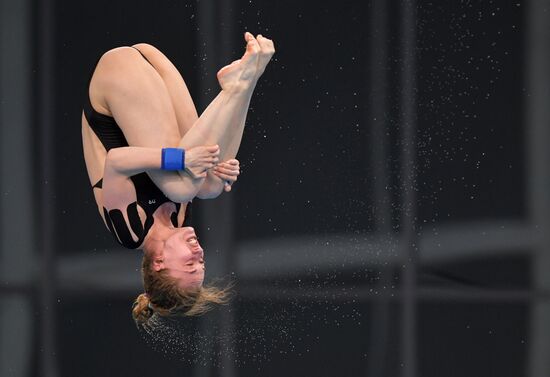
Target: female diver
[(148, 154)]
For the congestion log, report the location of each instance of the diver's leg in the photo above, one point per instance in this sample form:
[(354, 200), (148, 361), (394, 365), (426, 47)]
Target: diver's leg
[(184, 108), (132, 91), (223, 121), (266, 51), (137, 97)]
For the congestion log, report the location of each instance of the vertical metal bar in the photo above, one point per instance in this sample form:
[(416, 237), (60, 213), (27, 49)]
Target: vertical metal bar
[(408, 176), (378, 53), (48, 354), (537, 119), (207, 49), (226, 204), (206, 64), (16, 163), (378, 114), (16, 182), (215, 39)]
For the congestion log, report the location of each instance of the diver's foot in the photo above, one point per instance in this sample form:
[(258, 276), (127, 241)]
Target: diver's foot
[(267, 49), (243, 74)]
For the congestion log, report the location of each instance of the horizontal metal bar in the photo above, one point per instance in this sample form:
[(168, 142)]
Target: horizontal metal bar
[(291, 256), (333, 294), (369, 294)]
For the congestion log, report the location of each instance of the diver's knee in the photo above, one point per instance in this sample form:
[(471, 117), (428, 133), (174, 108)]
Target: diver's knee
[(146, 46), (119, 67)]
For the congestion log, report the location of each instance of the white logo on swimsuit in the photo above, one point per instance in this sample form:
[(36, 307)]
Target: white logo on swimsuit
[(152, 201)]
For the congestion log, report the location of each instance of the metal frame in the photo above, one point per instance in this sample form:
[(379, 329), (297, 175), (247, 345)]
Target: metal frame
[(16, 253), (537, 120), (46, 106)]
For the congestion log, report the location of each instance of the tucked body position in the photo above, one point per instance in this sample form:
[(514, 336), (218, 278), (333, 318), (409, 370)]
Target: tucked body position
[(148, 155)]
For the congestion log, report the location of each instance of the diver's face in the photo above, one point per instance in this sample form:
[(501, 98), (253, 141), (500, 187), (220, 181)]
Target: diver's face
[(183, 258)]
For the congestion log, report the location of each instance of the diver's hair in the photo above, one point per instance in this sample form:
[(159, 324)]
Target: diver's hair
[(164, 297)]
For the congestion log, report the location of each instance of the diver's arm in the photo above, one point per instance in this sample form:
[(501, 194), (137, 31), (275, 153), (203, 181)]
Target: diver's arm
[(121, 163), (130, 161)]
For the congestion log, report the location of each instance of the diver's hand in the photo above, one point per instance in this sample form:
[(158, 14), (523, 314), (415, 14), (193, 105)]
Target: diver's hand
[(227, 171), (199, 159)]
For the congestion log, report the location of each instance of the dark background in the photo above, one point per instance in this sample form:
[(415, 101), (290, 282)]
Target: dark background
[(391, 214)]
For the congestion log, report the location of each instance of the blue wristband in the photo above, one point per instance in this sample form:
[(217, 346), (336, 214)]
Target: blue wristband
[(173, 159)]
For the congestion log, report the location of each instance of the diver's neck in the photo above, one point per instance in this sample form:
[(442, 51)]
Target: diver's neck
[(162, 225), (163, 215)]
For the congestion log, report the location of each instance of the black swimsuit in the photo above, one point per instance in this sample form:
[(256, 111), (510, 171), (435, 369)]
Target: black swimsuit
[(149, 196)]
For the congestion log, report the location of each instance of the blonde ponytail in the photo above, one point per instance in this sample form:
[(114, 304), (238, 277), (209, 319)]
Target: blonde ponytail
[(141, 310)]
